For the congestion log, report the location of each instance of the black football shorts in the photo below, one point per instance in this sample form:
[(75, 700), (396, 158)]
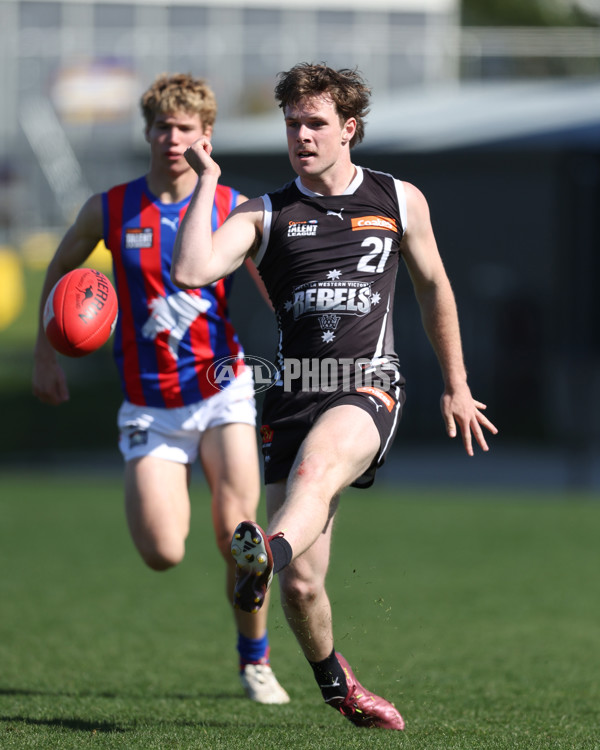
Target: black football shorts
[(288, 416)]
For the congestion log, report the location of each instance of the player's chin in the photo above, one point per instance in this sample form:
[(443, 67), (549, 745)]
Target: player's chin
[(305, 165), (177, 166)]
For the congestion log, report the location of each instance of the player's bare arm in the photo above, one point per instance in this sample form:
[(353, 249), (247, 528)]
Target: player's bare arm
[(49, 383), (201, 257), (252, 269), (440, 320)]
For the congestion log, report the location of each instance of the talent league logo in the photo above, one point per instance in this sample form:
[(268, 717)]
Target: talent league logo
[(303, 228), (138, 238)]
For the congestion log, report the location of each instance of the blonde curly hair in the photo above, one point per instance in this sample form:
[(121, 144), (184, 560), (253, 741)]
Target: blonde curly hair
[(179, 92)]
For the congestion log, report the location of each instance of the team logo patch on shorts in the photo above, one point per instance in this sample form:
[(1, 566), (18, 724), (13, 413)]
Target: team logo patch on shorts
[(266, 434), (138, 437), (381, 395)]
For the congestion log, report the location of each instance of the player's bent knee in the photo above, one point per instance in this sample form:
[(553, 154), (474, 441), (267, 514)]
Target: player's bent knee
[(298, 593), (312, 469), (161, 559)]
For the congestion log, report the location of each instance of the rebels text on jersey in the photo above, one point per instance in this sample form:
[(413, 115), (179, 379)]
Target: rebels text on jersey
[(330, 265)]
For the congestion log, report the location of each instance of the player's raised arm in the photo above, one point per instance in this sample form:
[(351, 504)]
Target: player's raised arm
[(201, 257), (440, 320)]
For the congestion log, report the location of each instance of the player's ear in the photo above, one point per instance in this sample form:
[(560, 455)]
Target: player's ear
[(208, 130), (349, 130)]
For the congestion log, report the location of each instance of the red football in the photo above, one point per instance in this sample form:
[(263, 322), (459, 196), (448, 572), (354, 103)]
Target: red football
[(81, 312)]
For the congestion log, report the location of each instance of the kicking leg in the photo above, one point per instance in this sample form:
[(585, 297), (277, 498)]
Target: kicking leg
[(323, 467)]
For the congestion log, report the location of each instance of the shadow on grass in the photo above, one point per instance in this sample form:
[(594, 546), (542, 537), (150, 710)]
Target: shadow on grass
[(124, 726), (79, 725), (112, 695), (105, 727)]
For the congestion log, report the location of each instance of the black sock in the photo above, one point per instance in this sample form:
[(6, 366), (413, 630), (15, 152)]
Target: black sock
[(330, 677), (281, 551)]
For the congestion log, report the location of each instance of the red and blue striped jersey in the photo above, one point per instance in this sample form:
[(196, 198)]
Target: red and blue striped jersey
[(166, 338)]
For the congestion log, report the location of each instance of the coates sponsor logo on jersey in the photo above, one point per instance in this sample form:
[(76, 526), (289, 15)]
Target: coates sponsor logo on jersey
[(381, 395), (302, 228), (345, 297), (138, 238), (374, 222)]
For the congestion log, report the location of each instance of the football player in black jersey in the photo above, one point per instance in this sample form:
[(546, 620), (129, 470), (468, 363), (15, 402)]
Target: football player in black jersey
[(327, 246)]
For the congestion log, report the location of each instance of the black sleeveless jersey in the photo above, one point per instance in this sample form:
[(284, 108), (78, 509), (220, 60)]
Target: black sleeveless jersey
[(329, 264)]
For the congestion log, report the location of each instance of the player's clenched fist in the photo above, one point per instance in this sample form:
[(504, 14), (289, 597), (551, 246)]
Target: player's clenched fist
[(198, 156)]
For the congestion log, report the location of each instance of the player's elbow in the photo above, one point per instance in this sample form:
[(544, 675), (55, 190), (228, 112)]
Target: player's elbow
[(180, 280), (184, 279)]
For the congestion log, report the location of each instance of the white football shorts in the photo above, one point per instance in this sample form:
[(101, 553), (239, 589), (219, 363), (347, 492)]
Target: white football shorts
[(174, 434)]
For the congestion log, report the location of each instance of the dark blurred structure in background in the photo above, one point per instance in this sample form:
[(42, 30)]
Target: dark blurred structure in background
[(499, 126)]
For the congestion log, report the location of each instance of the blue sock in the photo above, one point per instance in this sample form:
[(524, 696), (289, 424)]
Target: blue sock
[(253, 650)]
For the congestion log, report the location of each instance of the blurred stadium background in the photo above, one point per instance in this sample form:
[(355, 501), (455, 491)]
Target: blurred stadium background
[(492, 109)]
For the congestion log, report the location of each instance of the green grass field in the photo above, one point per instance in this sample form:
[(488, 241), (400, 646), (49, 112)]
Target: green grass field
[(477, 613)]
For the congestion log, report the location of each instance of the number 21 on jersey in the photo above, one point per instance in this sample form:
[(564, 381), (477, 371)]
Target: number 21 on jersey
[(375, 260)]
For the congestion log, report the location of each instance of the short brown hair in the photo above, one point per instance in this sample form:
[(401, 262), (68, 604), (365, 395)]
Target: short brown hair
[(179, 92), (345, 87)]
